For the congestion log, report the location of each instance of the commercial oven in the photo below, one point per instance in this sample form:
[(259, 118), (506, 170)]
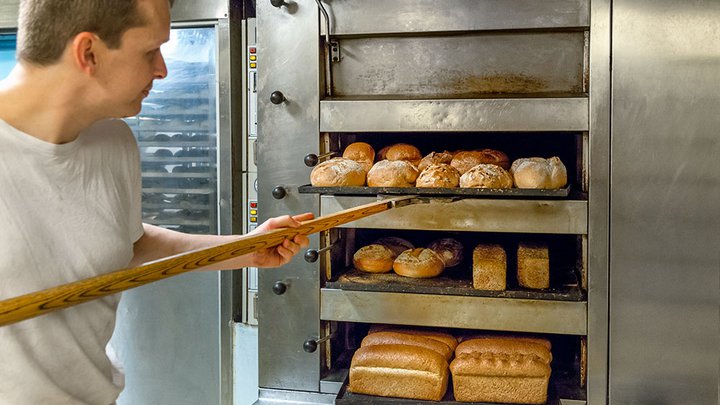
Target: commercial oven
[(525, 77)]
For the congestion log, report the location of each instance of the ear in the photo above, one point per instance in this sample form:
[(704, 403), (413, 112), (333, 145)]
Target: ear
[(86, 48)]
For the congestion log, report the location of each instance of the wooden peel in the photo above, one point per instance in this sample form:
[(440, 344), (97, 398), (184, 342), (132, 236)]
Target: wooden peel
[(38, 303)]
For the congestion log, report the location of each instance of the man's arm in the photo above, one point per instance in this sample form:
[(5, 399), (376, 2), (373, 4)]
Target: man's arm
[(157, 243)]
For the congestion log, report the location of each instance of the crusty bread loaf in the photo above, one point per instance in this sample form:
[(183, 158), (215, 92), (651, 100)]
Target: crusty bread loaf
[(397, 245), (524, 338), (491, 344), (399, 371), (466, 160), (533, 265), (362, 153), (486, 176), (449, 249), (404, 151), (419, 263), (435, 158), (489, 267), (446, 338), (392, 173), (539, 173), (500, 377), (374, 258), (338, 172), (438, 176), (391, 338)]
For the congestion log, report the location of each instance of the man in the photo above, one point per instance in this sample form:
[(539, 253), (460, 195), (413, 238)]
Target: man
[(70, 188)]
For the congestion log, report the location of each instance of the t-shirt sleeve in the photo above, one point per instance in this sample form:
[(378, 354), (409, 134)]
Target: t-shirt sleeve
[(134, 195)]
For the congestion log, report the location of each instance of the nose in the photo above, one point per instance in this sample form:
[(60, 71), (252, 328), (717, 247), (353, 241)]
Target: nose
[(160, 66)]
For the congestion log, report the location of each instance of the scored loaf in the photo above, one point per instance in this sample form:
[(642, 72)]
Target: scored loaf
[(435, 158), (438, 176), (397, 245), (392, 173), (419, 263), (398, 370), (338, 172), (362, 153), (449, 249), (533, 265), (486, 176), (463, 161), (489, 267), (374, 258)]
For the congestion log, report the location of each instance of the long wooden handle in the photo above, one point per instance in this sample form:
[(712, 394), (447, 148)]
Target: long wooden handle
[(41, 302)]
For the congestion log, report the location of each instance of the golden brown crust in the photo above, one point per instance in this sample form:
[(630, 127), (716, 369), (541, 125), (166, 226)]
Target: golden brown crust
[(419, 263), (435, 158), (499, 345), (438, 176), (390, 337), (338, 172), (362, 153), (463, 161), (489, 267), (500, 365), (533, 265), (446, 338), (374, 259), (392, 173), (404, 151), (524, 338), (397, 245), (539, 173), (486, 176), (449, 249)]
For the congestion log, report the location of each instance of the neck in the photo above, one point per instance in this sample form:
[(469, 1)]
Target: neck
[(45, 102)]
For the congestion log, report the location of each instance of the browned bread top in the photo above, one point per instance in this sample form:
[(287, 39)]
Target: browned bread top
[(419, 263), (374, 258), (507, 346), (399, 356), (397, 245), (404, 151), (392, 173), (499, 365), (434, 158), (532, 250), (439, 176), (486, 176), (491, 251), (338, 172), (386, 337), (449, 249), (446, 338), (362, 153), (466, 160)]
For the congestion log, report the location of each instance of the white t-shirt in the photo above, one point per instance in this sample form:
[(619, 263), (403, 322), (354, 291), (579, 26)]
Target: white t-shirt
[(67, 212)]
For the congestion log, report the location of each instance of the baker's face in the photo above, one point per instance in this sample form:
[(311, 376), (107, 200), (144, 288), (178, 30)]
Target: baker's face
[(128, 72)]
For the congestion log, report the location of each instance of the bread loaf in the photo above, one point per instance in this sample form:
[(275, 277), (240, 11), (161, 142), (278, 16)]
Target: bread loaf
[(438, 176), (399, 371), (397, 245), (435, 158), (533, 265), (535, 346), (500, 377), (389, 337), (362, 153), (446, 338), (404, 151), (374, 259), (489, 267), (466, 160), (486, 176), (392, 173), (419, 263), (539, 173), (338, 172), (449, 249)]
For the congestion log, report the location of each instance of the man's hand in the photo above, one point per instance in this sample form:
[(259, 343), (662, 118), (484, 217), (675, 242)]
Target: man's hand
[(283, 253)]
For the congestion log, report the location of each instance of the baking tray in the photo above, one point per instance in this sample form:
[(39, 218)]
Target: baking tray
[(564, 285), (463, 192)]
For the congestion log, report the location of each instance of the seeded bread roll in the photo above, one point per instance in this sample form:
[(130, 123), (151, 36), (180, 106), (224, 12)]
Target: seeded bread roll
[(489, 267), (449, 249), (399, 371), (392, 173), (404, 151), (397, 245), (486, 176), (533, 265), (435, 158), (338, 172), (438, 176), (362, 153), (539, 173), (389, 337), (419, 263), (466, 160), (374, 259)]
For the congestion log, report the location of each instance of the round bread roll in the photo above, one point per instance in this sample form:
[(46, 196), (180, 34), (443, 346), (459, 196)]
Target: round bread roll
[(392, 173), (486, 176), (362, 153), (434, 158), (382, 153), (466, 160), (397, 245), (539, 173), (374, 258), (419, 263), (404, 151), (449, 249), (440, 175), (338, 172)]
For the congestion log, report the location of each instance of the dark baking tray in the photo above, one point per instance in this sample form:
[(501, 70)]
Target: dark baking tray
[(564, 285), (559, 387), (464, 192)]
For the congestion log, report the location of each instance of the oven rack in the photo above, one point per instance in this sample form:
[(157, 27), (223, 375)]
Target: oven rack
[(460, 192)]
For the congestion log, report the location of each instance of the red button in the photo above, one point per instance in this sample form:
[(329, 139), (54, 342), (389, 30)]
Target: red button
[(253, 49), (253, 205)]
